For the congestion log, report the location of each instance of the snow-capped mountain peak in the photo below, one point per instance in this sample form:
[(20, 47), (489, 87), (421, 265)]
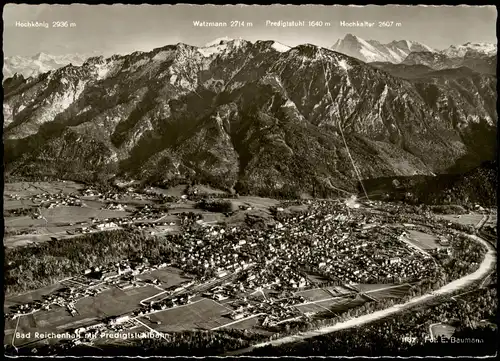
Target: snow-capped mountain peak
[(220, 45), (280, 47), (218, 41), (43, 57), (459, 51), (372, 50)]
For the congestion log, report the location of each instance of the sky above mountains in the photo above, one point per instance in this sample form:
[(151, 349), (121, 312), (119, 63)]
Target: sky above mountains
[(109, 29)]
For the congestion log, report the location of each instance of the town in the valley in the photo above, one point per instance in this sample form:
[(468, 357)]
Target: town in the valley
[(255, 264)]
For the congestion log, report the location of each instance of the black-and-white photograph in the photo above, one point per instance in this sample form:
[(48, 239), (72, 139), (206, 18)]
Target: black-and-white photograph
[(250, 180)]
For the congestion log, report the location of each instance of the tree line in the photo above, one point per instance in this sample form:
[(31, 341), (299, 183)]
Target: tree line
[(35, 266)]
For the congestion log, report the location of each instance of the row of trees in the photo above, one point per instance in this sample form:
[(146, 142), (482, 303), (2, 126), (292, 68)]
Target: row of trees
[(221, 206)]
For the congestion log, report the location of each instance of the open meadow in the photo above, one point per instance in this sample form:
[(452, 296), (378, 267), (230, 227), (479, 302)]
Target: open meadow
[(27, 189), (314, 294), (167, 276), (202, 314), (423, 240), (465, 219), (398, 291)]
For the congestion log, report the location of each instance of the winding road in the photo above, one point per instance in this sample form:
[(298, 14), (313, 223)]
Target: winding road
[(485, 268)]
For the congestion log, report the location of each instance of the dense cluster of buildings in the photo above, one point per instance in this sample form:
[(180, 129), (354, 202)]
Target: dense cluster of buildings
[(114, 196), (148, 212), (52, 200), (114, 207), (324, 240)]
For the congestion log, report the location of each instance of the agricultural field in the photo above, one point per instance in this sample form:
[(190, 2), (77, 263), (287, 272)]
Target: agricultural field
[(168, 276), (340, 304), (314, 294), (203, 314), (40, 234), (314, 307), (295, 209), (391, 292), (112, 302), (348, 303), (56, 320), (423, 240), (56, 222), (339, 290), (11, 300), (245, 324), (332, 305), (23, 240), (256, 203), (62, 221), (23, 222), (9, 204), (465, 219), (188, 206), (80, 214), (366, 287), (27, 189)]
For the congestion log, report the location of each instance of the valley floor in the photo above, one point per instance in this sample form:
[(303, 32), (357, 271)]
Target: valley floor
[(238, 295), (486, 267)]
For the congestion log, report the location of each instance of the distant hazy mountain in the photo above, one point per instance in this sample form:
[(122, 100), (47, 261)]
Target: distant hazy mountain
[(374, 51), (480, 57), (39, 63), (259, 117), (470, 49)]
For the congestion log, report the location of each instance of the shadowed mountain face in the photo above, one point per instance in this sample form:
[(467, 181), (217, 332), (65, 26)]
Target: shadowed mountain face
[(258, 117), (413, 71)]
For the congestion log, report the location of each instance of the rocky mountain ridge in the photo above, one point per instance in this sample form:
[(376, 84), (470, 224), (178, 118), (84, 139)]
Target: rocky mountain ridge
[(256, 117)]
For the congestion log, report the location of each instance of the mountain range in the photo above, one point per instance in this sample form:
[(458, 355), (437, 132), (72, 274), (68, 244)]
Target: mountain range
[(477, 56), (40, 63), (261, 117), (478, 61)]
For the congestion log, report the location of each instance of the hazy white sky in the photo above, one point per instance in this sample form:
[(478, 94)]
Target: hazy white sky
[(126, 28)]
